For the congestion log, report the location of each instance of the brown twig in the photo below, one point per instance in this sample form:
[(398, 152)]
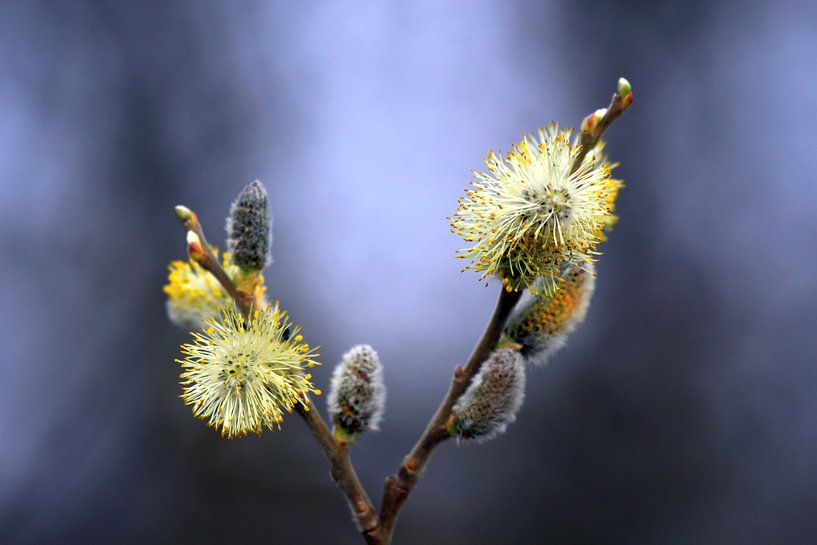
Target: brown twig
[(343, 473), (208, 261), (338, 455), (399, 486), (590, 138)]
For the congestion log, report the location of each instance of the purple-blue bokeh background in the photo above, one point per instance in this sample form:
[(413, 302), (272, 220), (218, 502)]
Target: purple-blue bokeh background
[(684, 411)]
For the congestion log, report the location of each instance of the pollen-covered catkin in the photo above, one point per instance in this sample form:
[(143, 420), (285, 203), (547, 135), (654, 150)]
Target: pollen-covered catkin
[(357, 396), (248, 228), (542, 323), (242, 374), (531, 211), (492, 400)]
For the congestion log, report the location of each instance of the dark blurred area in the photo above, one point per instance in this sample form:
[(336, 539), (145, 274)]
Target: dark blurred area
[(682, 412)]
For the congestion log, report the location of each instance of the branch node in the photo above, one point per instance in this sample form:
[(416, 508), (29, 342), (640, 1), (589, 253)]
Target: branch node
[(406, 479)]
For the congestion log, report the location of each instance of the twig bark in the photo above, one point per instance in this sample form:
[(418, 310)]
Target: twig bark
[(343, 473)]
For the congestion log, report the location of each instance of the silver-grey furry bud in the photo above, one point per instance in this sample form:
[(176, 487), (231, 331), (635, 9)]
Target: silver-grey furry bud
[(249, 233), (357, 396), (492, 399)]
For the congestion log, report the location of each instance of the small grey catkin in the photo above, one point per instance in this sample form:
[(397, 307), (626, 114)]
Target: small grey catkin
[(493, 398), (357, 395), (249, 234)]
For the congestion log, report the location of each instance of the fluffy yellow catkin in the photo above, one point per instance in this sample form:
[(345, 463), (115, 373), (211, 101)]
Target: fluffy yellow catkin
[(241, 375), (541, 324), (529, 214)]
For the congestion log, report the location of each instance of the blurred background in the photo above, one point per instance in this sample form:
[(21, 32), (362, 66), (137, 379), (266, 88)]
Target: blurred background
[(683, 411)]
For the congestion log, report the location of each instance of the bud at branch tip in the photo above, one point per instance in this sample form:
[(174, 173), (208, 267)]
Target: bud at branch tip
[(184, 214), (625, 91)]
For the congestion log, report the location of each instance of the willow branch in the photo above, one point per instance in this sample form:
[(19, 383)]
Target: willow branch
[(342, 472), (378, 530), (590, 138), (208, 261), (399, 486)]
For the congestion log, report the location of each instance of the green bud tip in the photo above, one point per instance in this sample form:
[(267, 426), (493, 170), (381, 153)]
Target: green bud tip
[(184, 214), (625, 91)]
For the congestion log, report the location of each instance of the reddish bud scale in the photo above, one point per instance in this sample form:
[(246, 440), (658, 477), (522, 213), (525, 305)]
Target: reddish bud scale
[(625, 91), (589, 123), (195, 251), (194, 248)]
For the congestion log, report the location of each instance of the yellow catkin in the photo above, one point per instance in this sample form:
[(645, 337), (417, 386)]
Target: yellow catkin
[(241, 375), (529, 213), (541, 324)]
